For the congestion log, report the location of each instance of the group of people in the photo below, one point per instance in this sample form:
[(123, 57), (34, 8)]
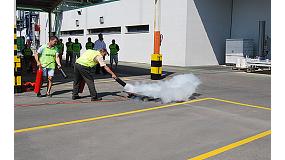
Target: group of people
[(73, 51), (50, 54)]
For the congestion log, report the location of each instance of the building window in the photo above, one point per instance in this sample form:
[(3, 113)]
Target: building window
[(138, 29), (101, 19), (109, 30), (77, 23), (72, 32)]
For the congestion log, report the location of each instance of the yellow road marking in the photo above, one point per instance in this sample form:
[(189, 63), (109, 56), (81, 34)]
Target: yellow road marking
[(231, 146), (240, 104), (106, 116), (133, 112)]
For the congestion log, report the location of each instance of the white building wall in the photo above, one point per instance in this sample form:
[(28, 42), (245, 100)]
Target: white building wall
[(208, 25), (69, 20), (135, 47), (173, 28), (246, 15), (194, 30), (44, 28)]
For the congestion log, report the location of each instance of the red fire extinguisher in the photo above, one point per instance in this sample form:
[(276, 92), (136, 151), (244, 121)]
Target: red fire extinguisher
[(39, 79)]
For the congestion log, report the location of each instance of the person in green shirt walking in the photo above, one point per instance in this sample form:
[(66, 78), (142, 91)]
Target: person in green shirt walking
[(60, 47), (89, 44), (46, 57), (69, 52), (114, 48), (76, 47)]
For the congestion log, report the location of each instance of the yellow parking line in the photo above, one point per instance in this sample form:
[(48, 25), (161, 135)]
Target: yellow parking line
[(106, 116), (240, 104), (231, 146)]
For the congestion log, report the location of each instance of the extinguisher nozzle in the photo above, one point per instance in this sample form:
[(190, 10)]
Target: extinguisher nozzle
[(121, 82)]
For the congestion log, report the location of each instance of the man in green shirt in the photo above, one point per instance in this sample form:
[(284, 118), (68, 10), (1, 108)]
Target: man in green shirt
[(69, 52), (89, 44), (114, 48), (27, 53), (20, 43), (76, 47), (46, 57), (60, 47)]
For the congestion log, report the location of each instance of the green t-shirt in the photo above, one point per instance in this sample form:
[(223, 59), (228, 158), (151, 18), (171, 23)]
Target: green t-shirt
[(69, 46), (60, 47), (47, 56), (76, 47), (114, 48), (27, 51), (20, 43), (89, 45)]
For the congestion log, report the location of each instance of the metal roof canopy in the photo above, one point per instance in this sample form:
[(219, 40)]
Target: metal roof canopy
[(37, 5), (56, 5)]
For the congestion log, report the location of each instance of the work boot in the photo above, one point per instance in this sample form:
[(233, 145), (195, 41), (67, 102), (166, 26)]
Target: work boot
[(75, 97), (96, 99)]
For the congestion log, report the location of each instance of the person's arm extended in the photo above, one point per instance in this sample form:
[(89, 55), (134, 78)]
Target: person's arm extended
[(100, 60), (110, 72)]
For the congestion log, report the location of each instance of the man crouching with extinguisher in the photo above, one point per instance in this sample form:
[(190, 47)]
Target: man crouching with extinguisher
[(82, 72), (46, 57)]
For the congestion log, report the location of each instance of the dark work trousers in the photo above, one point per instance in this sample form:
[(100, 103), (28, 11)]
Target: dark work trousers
[(68, 58), (102, 68), (80, 73)]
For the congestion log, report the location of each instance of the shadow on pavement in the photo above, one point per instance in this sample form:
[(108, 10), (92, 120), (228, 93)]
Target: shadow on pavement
[(121, 71), (61, 92)]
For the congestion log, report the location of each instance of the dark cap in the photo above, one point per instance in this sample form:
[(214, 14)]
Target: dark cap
[(104, 50)]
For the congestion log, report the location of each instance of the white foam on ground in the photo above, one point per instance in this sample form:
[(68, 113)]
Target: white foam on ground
[(178, 88)]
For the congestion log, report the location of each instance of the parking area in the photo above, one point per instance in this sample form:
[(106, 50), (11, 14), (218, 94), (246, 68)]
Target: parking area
[(229, 117)]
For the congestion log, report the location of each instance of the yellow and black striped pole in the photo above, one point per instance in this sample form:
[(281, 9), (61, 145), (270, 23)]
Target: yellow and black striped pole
[(15, 41), (156, 66), (156, 57), (17, 66)]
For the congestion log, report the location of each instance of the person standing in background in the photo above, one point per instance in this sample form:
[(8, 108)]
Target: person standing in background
[(114, 48), (69, 52), (76, 47), (27, 53), (100, 44), (89, 44), (60, 47)]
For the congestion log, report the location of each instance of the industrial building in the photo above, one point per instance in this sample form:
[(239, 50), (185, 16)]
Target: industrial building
[(194, 31)]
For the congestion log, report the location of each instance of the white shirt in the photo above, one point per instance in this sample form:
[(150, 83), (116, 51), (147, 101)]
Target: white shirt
[(99, 45), (100, 60)]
